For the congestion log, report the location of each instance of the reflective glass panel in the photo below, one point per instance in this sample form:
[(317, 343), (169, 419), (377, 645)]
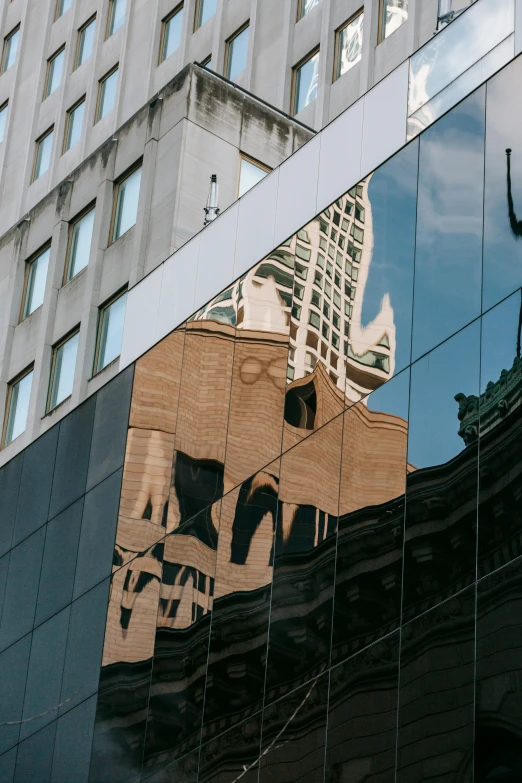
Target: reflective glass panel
[(35, 285), (394, 14), (111, 332), (63, 371), (205, 10), (116, 15), (85, 43), (306, 79), (232, 754), (249, 175), (10, 50), (18, 407), (3, 120), (237, 51), (172, 34), (54, 73), (43, 155), (80, 244), (107, 95), (127, 204), (349, 45), (305, 6), (74, 126), (62, 7)]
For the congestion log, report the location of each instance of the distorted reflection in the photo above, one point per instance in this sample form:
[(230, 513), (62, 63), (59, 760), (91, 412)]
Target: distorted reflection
[(232, 755)]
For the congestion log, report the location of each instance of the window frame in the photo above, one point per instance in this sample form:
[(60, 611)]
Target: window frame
[(7, 38), (75, 330), (101, 310), (166, 19), (338, 32), (57, 7), (79, 33), (112, 5), (76, 219), (300, 10), (295, 69), (10, 386), (28, 261), (50, 60), (37, 143), (68, 114), (381, 28), (249, 159), (198, 7), (101, 81), (228, 43), (115, 193), (4, 107)]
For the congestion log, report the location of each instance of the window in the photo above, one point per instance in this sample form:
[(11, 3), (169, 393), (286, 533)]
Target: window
[(348, 45), (54, 72), (73, 125), (3, 120), (251, 172), (205, 9), (17, 407), (296, 311), (34, 284), (63, 365), (85, 42), (10, 49), (110, 331), (393, 14), (116, 16), (42, 158), (106, 94), (126, 203), (62, 6), (316, 298), (304, 6), (79, 246), (207, 63), (314, 319), (236, 54), (305, 82), (171, 33)]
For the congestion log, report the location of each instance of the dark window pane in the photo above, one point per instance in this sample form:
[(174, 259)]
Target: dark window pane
[(35, 485), (59, 562), (10, 476), (72, 457), (21, 589), (226, 757), (13, 672), (109, 432), (441, 496), (72, 749), (362, 718), (448, 262), (437, 693), (35, 757)]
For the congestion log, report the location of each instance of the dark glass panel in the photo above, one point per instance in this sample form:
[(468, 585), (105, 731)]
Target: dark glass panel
[(59, 562), (4, 570), (503, 186), (240, 617), (436, 695), (294, 736), (72, 457), (44, 676), (99, 521), (362, 717), (498, 708), (72, 747), (371, 518), (21, 589), (109, 431), (13, 673), (7, 765), (10, 476), (234, 752), (304, 562), (441, 496), (184, 770), (35, 485), (81, 670), (500, 482), (448, 261), (181, 643), (35, 757)]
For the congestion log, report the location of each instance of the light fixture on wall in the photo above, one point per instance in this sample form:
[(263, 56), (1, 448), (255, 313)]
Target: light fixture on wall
[(212, 210)]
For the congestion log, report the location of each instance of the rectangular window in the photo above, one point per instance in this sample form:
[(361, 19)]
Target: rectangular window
[(79, 246), (207, 63), (304, 6), (126, 198), (10, 49), (107, 94), (251, 172), (348, 45), (116, 16), (236, 53), (3, 120), (17, 407), (316, 298), (85, 42), (305, 78), (110, 331), (42, 158), (63, 364), (325, 331), (393, 14), (314, 319), (73, 125), (34, 284), (171, 33), (62, 6), (54, 72), (205, 9)]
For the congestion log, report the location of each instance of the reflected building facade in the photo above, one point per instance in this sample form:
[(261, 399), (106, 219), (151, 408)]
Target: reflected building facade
[(299, 550)]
